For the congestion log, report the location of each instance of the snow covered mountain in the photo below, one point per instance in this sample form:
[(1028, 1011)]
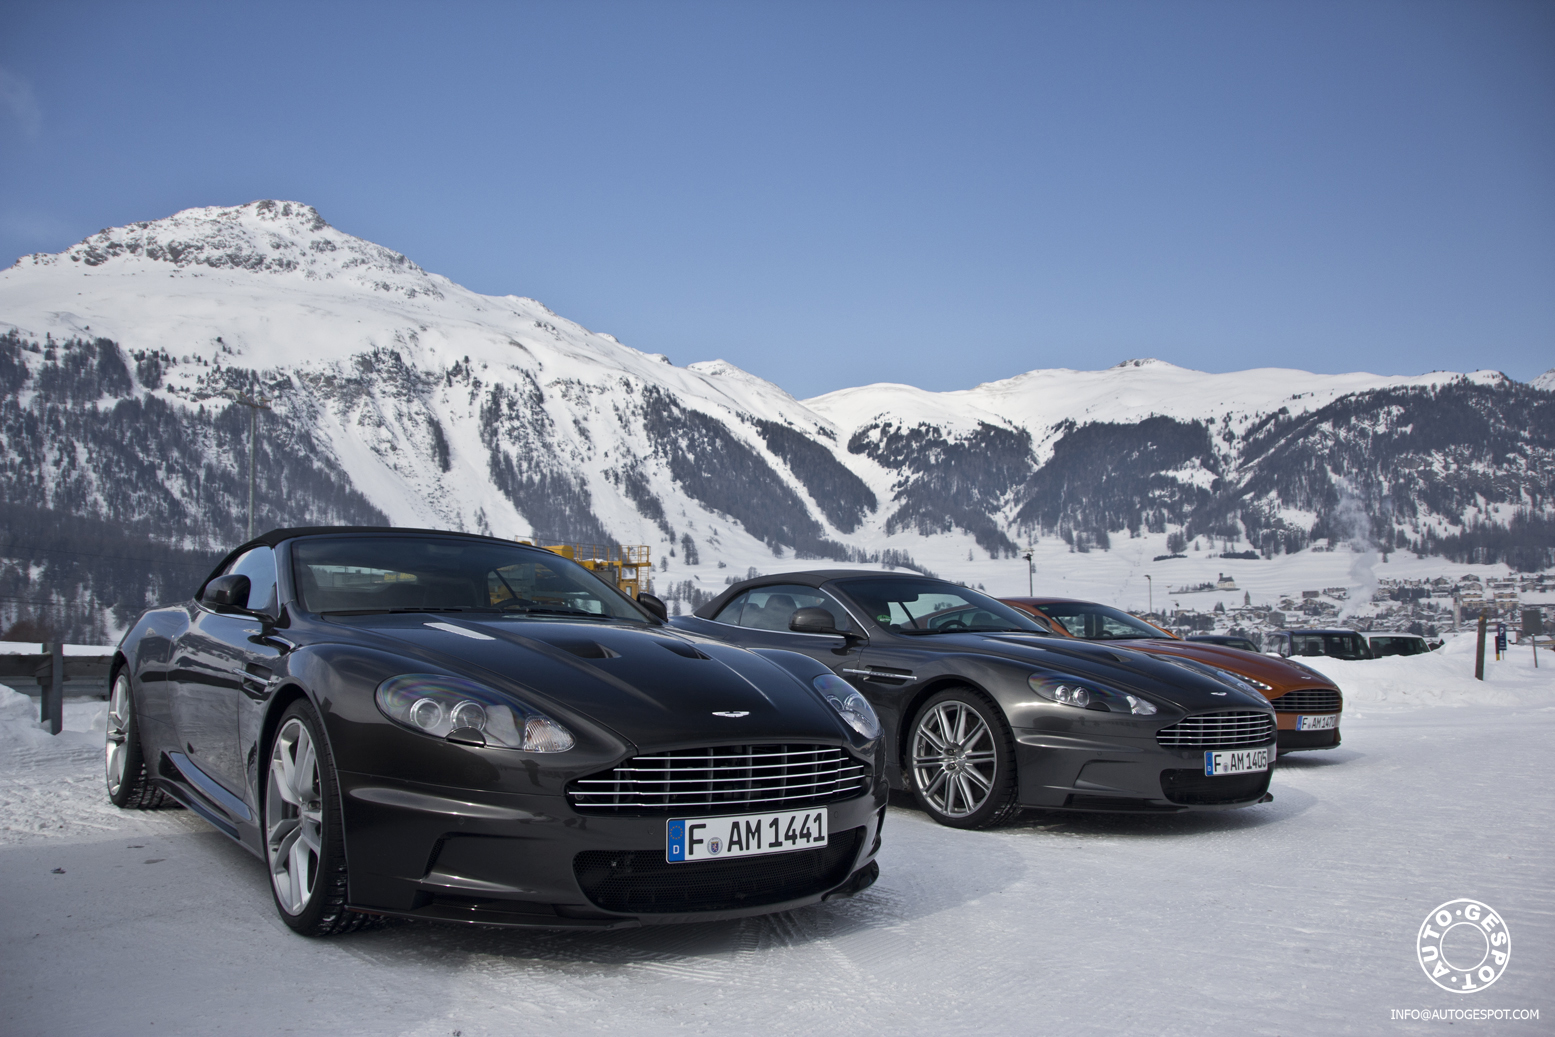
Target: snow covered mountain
[(399, 396)]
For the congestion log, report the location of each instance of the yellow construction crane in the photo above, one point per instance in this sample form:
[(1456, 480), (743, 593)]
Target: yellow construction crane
[(622, 564)]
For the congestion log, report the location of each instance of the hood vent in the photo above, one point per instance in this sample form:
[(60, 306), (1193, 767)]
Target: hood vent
[(682, 649), (587, 649)]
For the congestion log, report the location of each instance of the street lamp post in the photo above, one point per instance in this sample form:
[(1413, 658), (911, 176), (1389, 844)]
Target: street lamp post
[(1031, 576), (1150, 589), (254, 407)]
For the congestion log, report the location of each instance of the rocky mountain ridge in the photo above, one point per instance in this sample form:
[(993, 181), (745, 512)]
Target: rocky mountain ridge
[(398, 396)]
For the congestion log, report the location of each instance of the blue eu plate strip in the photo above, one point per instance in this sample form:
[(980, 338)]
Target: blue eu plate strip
[(675, 850), (1209, 764)]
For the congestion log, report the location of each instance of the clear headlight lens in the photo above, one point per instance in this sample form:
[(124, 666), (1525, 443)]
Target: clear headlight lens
[(849, 704), (1070, 692), (440, 706)]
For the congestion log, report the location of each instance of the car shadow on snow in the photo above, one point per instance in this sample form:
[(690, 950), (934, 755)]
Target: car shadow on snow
[(924, 870), (1316, 761), (1287, 803)]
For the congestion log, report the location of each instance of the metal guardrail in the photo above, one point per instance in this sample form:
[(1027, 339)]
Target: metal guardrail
[(57, 670)]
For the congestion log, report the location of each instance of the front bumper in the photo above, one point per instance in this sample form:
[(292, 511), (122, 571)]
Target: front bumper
[(447, 854), (1069, 772), (1292, 740)]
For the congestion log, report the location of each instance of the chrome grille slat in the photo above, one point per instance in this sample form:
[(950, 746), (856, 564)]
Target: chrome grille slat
[(1308, 700), (1229, 730), (732, 777)]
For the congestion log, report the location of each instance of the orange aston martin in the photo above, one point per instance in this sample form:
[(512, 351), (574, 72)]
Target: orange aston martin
[(1307, 705)]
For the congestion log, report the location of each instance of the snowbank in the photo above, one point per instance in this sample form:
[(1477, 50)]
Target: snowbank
[(1444, 678)]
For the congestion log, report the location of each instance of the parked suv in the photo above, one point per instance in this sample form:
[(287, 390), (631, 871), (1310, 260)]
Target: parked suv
[(1339, 644)]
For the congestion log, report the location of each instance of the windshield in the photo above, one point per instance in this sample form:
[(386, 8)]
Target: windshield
[(359, 575), (1093, 622), (913, 606)]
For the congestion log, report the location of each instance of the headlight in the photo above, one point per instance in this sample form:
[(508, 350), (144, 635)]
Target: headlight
[(849, 704), (463, 711), (1069, 692)]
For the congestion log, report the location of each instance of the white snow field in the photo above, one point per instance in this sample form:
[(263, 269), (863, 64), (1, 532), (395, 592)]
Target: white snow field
[(1295, 917)]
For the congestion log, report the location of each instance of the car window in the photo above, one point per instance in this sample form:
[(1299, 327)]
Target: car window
[(1095, 622), (927, 606), (770, 608), (386, 574), (1337, 646), (259, 566), (1398, 646)]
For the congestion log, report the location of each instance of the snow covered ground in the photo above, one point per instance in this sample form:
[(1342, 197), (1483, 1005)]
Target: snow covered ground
[(1295, 917)]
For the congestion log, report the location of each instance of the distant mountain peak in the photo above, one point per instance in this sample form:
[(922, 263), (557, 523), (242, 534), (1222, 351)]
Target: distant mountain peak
[(1545, 381), (263, 237), (1148, 361)]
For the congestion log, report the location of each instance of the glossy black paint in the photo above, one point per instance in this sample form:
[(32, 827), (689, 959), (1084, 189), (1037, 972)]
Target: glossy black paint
[(1066, 758), (435, 828)]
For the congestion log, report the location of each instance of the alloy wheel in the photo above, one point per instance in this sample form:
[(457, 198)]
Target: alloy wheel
[(117, 749), (953, 757), (294, 816)]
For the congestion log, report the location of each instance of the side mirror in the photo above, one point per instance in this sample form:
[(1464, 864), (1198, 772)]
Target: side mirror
[(815, 620), (226, 592), (654, 604)]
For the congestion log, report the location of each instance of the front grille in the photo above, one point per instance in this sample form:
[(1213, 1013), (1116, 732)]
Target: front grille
[(1308, 700), (723, 778), (1217, 731), (641, 882), (1193, 786)]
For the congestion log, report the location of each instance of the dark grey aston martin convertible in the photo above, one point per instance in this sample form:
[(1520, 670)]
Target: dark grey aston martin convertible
[(985, 712), (460, 728)]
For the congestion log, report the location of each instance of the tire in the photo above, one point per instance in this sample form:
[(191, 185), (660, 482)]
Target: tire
[(961, 760), (304, 838), (129, 786)]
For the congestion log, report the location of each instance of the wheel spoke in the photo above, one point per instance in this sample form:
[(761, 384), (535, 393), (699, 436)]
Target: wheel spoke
[(284, 836), (965, 788), (986, 784), (305, 774), (298, 865), (933, 739)]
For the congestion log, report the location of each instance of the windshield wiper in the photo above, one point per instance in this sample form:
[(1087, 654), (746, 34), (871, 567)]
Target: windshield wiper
[(554, 610), (399, 611)]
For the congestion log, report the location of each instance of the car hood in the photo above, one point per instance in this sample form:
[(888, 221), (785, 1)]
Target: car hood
[(650, 686), (1154, 677), (1281, 676)]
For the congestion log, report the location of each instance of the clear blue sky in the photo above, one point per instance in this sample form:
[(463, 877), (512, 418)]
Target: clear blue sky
[(828, 194)]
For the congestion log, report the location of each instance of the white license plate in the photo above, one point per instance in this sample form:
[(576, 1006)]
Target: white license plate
[(745, 835), (1236, 761), (1327, 723)]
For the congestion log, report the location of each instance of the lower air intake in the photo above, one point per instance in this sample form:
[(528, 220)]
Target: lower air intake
[(1195, 788), (642, 882)]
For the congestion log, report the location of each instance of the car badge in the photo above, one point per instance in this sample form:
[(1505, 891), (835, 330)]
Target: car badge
[(735, 713)]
